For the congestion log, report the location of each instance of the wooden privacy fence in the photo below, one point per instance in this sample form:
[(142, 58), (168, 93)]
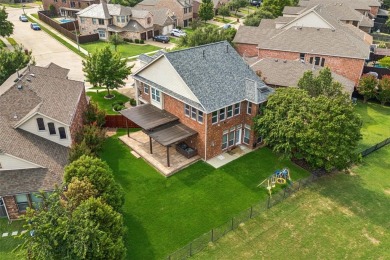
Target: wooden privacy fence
[(381, 71), (119, 121), (67, 29)]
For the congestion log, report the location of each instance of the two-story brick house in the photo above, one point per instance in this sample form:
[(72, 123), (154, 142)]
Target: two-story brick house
[(314, 37), (40, 113), (68, 8), (211, 92), (182, 9), (107, 19)]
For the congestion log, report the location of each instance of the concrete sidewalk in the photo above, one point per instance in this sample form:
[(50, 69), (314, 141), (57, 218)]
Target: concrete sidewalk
[(51, 29)]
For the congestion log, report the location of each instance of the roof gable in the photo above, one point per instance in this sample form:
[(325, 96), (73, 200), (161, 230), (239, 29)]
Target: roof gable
[(310, 18)]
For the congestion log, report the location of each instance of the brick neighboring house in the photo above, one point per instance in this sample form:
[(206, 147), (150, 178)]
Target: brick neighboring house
[(40, 113), (210, 90), (107, 19), (315, 37), (216, 4), (68, 8), (181, 9)]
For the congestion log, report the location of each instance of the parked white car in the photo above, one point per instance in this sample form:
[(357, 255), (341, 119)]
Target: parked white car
[(178, 33)]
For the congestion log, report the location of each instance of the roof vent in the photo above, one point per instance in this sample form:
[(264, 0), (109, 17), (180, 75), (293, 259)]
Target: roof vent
[(32, 75), (333, 30), (276, 60), (318, 29), (15, 117), (20, 86), (28, 79), (204, 53)]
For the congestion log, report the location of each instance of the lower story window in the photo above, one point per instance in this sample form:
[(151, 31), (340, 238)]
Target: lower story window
[(225, 140), (247, 134), (21, 202), (231, 138), (102, 34)]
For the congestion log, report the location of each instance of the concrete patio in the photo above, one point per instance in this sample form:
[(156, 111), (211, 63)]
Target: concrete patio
[(139, 143), (227, 157)]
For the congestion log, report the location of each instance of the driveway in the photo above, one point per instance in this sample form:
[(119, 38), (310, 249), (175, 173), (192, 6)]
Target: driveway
[(45, 49)]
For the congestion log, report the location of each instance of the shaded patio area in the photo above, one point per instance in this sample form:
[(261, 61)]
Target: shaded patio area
[(227, 157), (139, 143)]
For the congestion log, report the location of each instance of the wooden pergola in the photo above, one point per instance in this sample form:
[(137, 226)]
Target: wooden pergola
[(159, 125)]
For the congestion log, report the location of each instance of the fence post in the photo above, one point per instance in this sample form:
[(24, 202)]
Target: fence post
[(232, 223), (250, 216), (299, 184), (191, 249), (269, 201), (212, 235)]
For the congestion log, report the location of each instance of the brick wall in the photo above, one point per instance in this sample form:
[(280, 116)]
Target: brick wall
[(177, 8), (249, 50), (78, 119), (89, 28), (11, 206), (347, 67), (374, 10), (176, 108)]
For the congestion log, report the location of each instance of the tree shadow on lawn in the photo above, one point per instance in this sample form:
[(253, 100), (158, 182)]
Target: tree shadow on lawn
[(349, 192)]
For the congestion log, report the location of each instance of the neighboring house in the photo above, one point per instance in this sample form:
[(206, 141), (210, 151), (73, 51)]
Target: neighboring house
[(68, 8), (287, 73), (315, 36), (40, 113), (163, 20), (206, 94), (107, 19), (341, 12), (216, 4), (366, 7), (181, 9)]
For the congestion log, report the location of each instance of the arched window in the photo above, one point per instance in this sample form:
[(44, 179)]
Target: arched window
[(62, 132), (41, 124), (52, 129)]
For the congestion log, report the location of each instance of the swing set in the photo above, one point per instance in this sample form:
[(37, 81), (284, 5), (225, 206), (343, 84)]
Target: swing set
[(278, 177)]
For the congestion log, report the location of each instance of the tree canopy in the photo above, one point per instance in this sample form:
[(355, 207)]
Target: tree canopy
[(206, 10), (100, 176), (237, 4), (322, 130), (224, 11), (276, 6), (205, 35), (385, 61), (367, 86), (383, 93), (106, 68), (6, 27), (255, 18), (10, 61)]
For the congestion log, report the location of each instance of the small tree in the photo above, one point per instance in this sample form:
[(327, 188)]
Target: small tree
[(94, 116), (367, 86), (205, 35), (106, 68), (77, 150), (76, 192), (206, 10), (385, 62), (93, 137), (224, 11), (6, 27), (237, 4), (100, 176), (10, 61), (116, 40), (383, 94), (255, 18)]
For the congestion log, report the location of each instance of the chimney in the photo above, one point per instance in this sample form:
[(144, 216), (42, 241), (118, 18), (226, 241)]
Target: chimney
[(105, 8), (204, 53)]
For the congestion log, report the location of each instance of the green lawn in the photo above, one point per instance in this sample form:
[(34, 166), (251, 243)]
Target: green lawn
[(343, 216), (106, 104), (126, 49), (12, 41), (222, 20), (376, 123), (164, 214), (8, 244)]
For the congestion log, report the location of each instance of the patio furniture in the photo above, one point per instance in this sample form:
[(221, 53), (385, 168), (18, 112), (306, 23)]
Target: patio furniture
[(185, 150)]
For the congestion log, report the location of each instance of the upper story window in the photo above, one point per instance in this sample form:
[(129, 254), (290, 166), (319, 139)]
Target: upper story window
[(302, 56), (146, 89), (214, 117), (41, 124), (189, 9), (62, 132), (149, 20), (194, 113), (249, 108), (82, 20), (52, 129), (229, 111), (101, 21), (222, 114), (185, 10), (121, 19), (318, 61), (236, 109), (156, 95), (94, 20), (72, 4), (64, 1)]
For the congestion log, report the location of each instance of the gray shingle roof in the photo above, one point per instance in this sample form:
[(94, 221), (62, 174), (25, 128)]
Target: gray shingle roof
[(97, 11), (293, 9), (340, 42), (217, 75), (161, 16), (355, 4), (287, 73)]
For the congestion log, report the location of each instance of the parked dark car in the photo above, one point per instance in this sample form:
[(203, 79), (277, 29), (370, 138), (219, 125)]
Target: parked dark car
[(255, 2), (23, 18), (161, 38), (35, 26)]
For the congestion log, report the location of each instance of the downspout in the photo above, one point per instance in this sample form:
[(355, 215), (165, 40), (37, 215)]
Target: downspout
[(205, 135), (5, 207)]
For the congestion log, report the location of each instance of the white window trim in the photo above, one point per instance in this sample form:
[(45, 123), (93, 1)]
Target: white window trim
[(227, 111), (249, 106), (239, 109), (217, 115)]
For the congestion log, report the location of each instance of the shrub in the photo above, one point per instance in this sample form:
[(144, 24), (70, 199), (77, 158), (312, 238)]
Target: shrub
[(93, 137), (118, 107), (78, 150), (133, 102), (93, 115), (136, 41), (126, 39), (141, 41), (118, 102)]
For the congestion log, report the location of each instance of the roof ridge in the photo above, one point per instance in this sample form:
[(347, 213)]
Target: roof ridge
[(200, 46)]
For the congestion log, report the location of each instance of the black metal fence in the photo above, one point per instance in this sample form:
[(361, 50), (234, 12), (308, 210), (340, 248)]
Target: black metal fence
[(375, 147), (213, 235)]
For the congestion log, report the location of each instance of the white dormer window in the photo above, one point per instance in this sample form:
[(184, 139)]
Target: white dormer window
[(52, 128), (41, 124), (121, 19), (62, 132)]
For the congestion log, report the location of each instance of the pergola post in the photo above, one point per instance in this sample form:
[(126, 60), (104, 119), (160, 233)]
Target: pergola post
[(127, 126), (168, 163), (150, 145)]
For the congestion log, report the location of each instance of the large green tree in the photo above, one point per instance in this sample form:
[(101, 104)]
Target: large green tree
[(324, 131), (206, 10), (237, 4), (92, 230), (255, 18), (6, 27), (116, 40), (367, 86), (205, 35), (11, 61), (276, 6), (224, 11), (383, 93), (323, 84), (101, 177), (106, 68)]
